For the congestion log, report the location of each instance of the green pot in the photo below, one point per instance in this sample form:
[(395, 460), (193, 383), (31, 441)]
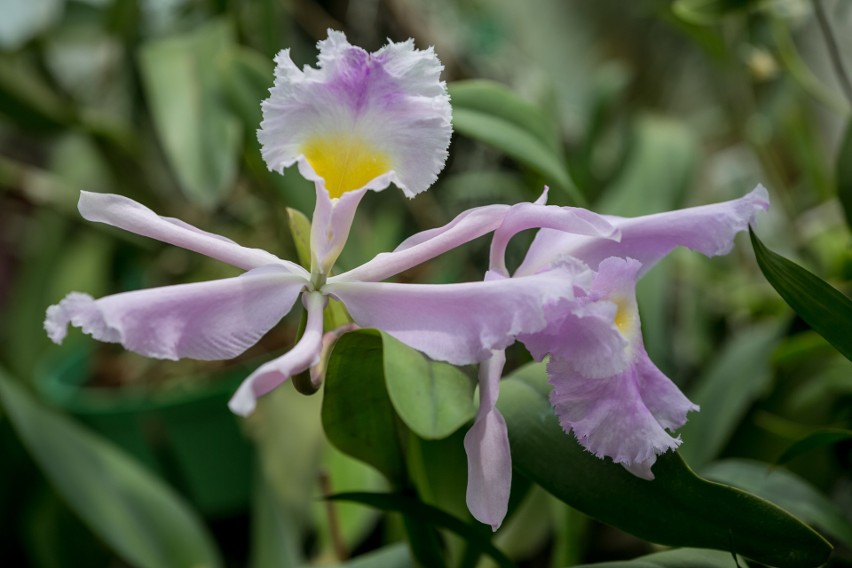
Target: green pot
[(187, 436)]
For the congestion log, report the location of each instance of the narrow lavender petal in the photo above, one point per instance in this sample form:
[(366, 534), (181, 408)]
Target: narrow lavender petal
[(330, 225), (609, 416), (458, 323), (423, 246), (489, 460), (709, 229), (205, 320), (525, 216), (305, 354), (124, 213)]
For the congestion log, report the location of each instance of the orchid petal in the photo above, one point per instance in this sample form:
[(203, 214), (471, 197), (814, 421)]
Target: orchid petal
[(709, 229), (615, 416), (306, 353), (489, 460), (205, 320), (126, 214), (525, 216), (458, 323), (360, 120), (423, 246), (330, 226)]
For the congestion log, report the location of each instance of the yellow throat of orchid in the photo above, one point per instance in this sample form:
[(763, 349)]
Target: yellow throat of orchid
[(625, 317), (345, 162)]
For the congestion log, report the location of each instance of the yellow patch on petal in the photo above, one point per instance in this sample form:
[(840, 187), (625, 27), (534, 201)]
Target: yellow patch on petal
[(345, 162), (625, 317)]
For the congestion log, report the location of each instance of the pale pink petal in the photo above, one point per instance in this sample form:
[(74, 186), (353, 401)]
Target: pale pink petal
[(610, 416), (390, 104), (489, 460), (124, 213), (709, 229), (330, 226), (205, 320), (458, 323), (525, 216), (302, 356), (426, 245)]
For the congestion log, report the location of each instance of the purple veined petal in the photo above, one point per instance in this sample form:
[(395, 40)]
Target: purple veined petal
[(426, 245), (615, 416), (330, 226), (489, 460), (709, 229), (126, 214), (360, 120), (302, 356), (525, 216), (205, 320), (458, 323)]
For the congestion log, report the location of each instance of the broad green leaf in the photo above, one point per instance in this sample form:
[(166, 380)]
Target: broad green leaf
[(357, 414), (826, 437), (786, 490), (739, 376), (182, 80), (491, 113), (678, 508), (434, 399), (135, 514), (843, 173), (706, 12), (677, 558), (476, 536), (391, 556), (822, 307), (24, 19)]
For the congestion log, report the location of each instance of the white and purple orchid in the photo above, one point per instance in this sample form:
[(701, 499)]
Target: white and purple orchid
[(359, 122), (606, 390)]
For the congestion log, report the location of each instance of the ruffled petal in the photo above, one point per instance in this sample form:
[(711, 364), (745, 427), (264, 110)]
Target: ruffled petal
[(205, 320), (458, 323), (610, 416), (126, 214), (489, 460), (306, 353), (709, 229), (360, 120), (426, 245)]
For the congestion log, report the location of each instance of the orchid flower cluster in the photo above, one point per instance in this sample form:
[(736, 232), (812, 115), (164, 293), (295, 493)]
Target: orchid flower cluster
[(362, 121)]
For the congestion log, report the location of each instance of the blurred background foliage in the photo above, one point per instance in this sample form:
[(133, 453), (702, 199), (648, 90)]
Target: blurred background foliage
[(629, 108)]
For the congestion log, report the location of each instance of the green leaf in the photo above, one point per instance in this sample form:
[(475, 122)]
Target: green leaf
[(678, 508), (786, 490), (706, 12), (391, 556), (826, 437), (412, 508), (200, 137), (434, 399), (300, 230), (822, 307), (843, 173), (678, 558), (357, 414), (731, 384), (491, 113), (137, 515)]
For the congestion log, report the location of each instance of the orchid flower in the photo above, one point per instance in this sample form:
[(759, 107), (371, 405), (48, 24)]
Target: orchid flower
[(606, 390), (359, 122)]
